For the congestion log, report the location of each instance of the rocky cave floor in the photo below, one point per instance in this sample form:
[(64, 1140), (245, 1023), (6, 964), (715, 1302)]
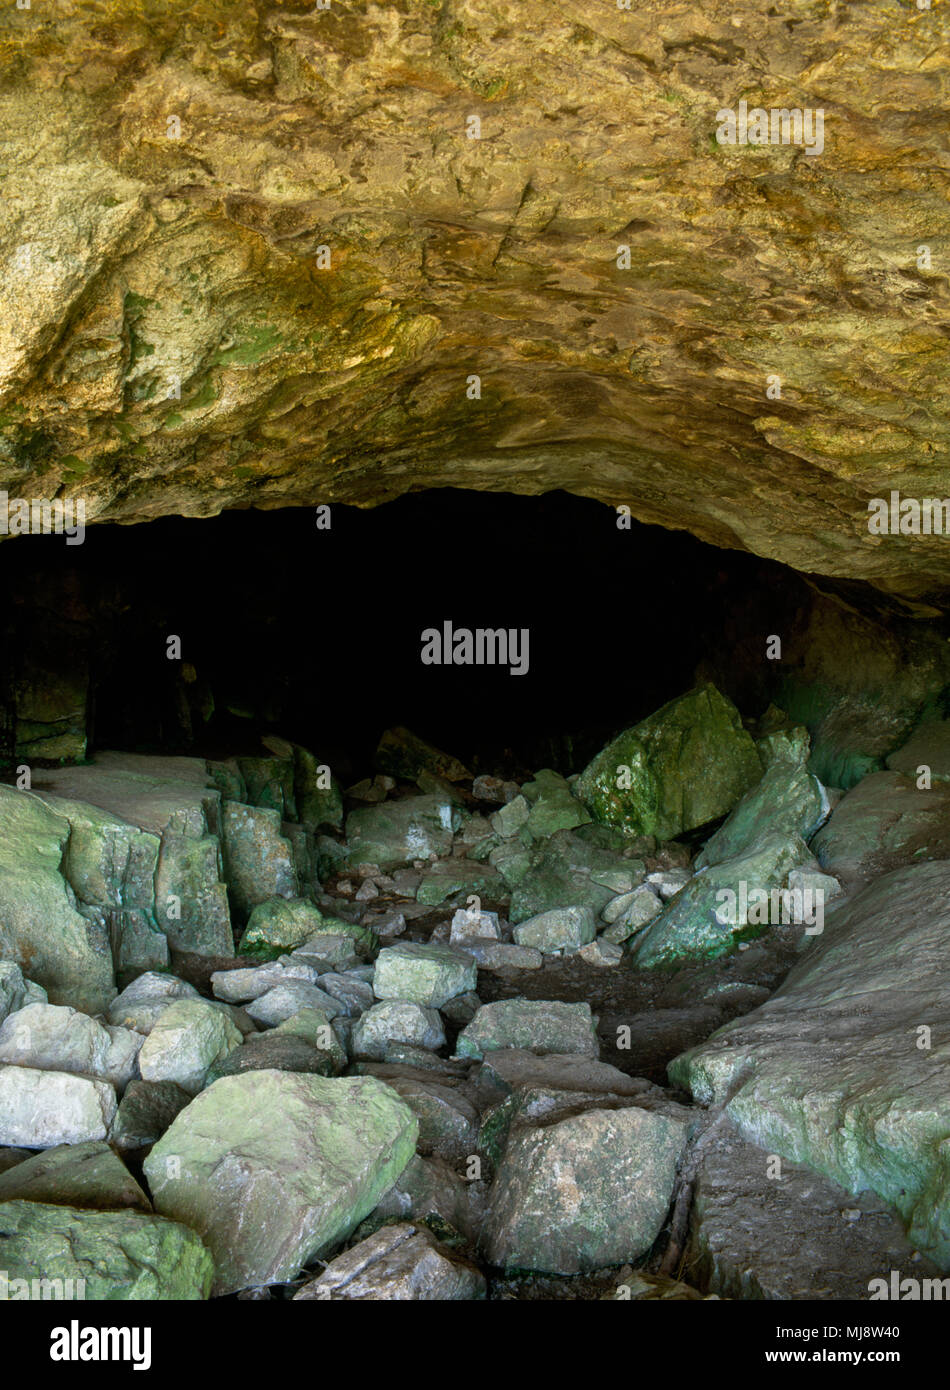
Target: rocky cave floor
[(413, 1040)]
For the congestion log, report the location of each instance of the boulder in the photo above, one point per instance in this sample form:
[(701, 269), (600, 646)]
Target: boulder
[(882, 823), (718, 907), (397, 832), (273, 1168), (404, 755), (547, 1025), (423, 973), (560, 929), (87, 1175), (188, 1038), (16, 991), (586, 1191), (115, 1256), (258, 860), (396, 1020), (145, 1111), (281, 924), (686, 765), (40, 1109), (55, 1038)]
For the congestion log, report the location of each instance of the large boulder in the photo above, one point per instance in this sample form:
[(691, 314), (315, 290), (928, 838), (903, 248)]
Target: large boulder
[(272, 1168), (844, 1067), (586, 1191), (397, 832), (97, 1255), (41, 928), (39, 1109), (258, 859), (686, 765), (723, 905)]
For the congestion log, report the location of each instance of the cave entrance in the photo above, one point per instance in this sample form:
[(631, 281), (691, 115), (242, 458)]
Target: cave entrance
[(198, 636)]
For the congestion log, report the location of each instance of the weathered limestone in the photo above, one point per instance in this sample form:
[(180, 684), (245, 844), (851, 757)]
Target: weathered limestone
[(844, 1067), (41, 928), (272, 1168)]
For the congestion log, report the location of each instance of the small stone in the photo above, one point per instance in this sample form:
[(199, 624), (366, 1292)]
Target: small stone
[(560, 929), (287, 999), (281, 923), (367, 891), (501, 955), (509, 820), (399, 1263), (353, 995), (396, 1020), (601, 953)]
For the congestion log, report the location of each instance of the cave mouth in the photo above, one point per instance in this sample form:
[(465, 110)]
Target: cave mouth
[(288, 625)]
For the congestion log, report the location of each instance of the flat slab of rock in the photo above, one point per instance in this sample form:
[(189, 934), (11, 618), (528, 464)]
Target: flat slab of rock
[(86, 1175), (830, 1071), (272, 1168), (97, 1255), (511, 1068), (399, 1263), (792, 1236), (545, 1025)]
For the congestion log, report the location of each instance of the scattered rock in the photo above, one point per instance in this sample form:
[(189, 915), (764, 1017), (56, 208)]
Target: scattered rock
[(548, 1025), (187, 1039), (145, 1111), (423, 973)]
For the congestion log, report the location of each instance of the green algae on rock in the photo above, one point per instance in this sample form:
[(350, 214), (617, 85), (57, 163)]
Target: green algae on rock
[(272, 1168), (682, 767), (115, 1255)]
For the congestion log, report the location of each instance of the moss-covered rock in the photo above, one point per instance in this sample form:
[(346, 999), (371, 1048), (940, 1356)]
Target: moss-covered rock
[(684, 766)]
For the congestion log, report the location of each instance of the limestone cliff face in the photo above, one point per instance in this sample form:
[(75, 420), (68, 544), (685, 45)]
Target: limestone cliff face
[(284, 303)]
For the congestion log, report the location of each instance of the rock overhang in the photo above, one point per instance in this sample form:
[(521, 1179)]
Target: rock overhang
[(256, 260)]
